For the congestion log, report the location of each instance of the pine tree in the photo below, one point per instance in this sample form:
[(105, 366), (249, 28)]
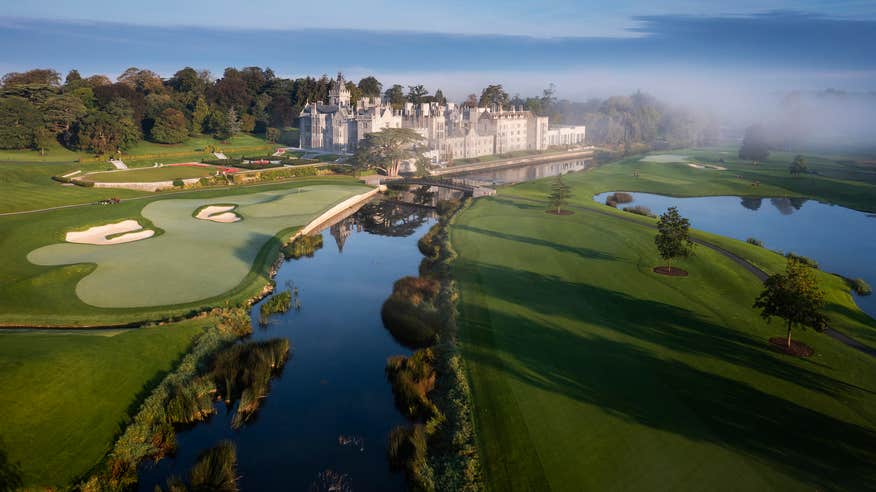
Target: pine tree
[(560, 194), (233, 122)]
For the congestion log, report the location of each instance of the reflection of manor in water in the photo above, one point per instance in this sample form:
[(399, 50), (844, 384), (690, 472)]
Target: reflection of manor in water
[(529, 172)]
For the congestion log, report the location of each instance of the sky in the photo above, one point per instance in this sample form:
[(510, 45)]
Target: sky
[(674, 48)]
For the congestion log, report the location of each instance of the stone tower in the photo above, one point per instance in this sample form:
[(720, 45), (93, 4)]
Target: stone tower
[(339, 95)]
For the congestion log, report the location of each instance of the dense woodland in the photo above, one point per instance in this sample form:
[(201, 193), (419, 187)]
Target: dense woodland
[(97, 115)]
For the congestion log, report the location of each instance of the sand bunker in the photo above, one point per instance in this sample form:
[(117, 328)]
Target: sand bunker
[(218, 213), (122, 232)]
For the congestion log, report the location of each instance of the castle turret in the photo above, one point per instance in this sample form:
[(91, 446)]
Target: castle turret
[(339, 95)]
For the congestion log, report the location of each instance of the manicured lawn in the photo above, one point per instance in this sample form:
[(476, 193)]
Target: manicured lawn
[(846, 185), (191, 265), (194, 144), (590, 372), (29, 186), (65, 395), (151, 174)]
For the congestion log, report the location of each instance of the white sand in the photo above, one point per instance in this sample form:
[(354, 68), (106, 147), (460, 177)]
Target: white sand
[(218, 213), (698, 166), (98, 235)]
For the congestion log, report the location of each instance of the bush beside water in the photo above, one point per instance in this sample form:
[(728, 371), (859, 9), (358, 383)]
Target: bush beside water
[(754, 241), (619, 197), (640, 210), (279, 303), (303, 246), (861, 287), (438, 451), (803, 259)]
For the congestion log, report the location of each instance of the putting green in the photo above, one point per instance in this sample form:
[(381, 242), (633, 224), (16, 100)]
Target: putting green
[(194, 259)]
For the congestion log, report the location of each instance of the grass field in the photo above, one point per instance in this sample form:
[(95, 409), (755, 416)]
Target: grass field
[(590, 372), (65, 395), (848, 184), (228, 260), (151, 174)]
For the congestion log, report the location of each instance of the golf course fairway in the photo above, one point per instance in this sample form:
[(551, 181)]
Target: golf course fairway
[(590, 372)]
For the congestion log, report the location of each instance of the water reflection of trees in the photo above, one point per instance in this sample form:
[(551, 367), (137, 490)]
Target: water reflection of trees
[(752, 203), (787, 206), (383, 218)]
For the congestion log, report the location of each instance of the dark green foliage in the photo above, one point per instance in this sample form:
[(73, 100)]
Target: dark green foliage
[(18, 121), (798, 166), (189, 403), (673, 236), (754, 241), (305, 245), (619, 197), (793, 296), (279, 303), (802, 259), (170, 127), (755, 147), (10, 475), (560, 194), (178, 183), (215, 470), (411, 325)]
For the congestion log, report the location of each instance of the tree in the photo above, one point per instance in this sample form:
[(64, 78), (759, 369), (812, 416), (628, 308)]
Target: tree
[(673, 236), (417, 94), (387, 148), (18, 120), (10, 474), (396, 96), (471, 101), (798, 166), (247, 123), (104, 132), (793, 296), (233, 122), (272, 134), (755, 147), (61, 111), (217, 124), (39, 76), (493, 95), (370, 87), (439, 98), (199, 115), (170, 127), (560, 193), (42, 139)]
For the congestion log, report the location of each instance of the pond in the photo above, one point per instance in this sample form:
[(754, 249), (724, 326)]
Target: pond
[(332, 407), (842, 240)]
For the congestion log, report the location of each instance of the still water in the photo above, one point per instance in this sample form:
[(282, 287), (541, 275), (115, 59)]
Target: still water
[(528, 173), (331, 408), (842, 240)]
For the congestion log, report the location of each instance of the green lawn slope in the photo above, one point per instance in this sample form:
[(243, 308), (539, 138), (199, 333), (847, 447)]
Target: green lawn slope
[(590, 372), (64, 396)]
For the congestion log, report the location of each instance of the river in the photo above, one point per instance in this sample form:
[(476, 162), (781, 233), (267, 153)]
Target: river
[(332, 407)]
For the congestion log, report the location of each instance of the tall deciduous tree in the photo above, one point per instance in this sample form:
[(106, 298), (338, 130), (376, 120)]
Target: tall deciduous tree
[(396, 96), (798, 166), (18, 120), (793, 296), (370, 87), (387, 148), (170, 127), (199, 115), (439, 97), (560, 194), (417, 93), (673, 236), (493, 95), (755, 147)]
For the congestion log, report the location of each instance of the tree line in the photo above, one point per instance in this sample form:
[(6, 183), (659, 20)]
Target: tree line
[(98, 115)]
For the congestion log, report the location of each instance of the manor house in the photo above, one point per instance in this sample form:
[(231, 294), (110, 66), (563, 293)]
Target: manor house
[(450, 131)]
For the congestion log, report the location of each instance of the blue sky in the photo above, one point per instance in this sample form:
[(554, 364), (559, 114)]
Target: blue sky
[(678, 47)]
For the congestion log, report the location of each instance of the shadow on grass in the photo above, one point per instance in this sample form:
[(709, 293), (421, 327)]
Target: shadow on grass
[(586, 253), (629, 381)]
